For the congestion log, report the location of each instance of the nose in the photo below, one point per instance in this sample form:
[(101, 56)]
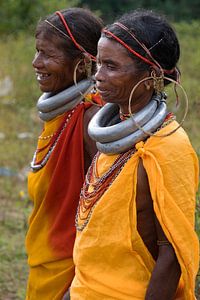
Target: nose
[(37, 61), (99, 74)]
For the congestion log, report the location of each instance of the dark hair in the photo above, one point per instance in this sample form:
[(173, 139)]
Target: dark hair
[(84, 26), (155, 33)]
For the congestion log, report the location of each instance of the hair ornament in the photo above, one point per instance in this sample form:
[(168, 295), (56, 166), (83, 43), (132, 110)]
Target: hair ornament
[(58, 29), (78, 46)]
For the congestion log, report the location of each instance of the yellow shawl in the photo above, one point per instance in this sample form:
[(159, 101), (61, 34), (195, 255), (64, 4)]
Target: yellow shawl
[(111, 259)]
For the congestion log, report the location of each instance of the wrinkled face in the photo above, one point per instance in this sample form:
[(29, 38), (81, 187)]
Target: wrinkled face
[(54, 71), (117, 74)]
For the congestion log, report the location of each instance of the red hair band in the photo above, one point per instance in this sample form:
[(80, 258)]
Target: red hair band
[(154, 63), (71, 36), (129, 48)]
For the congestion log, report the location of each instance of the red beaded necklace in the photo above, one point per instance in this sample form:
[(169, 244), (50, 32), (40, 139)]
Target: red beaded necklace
[(88, 199)]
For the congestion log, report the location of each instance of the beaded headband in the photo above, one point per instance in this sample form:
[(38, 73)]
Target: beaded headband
[(153, 63), (70, 36)]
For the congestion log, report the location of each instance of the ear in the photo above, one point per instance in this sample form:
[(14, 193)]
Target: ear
[(148, 83), (80, 66), (84, 63)]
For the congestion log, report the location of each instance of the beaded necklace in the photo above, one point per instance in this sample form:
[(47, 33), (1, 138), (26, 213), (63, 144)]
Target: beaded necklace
[(89, 198), (123, 116), (54, 138)]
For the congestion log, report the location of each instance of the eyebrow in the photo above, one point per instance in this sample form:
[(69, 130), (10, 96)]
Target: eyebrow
[(108, 61)]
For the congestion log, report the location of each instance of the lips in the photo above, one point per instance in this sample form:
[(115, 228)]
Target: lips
[(102, 91)]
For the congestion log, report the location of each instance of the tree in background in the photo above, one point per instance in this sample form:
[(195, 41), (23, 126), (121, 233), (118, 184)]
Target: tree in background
[(176, 9), (17, 15)]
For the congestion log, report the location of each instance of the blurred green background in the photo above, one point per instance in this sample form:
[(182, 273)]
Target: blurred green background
[(20, 126)]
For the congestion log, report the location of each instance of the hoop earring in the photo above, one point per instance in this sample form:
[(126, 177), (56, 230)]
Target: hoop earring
[(159, 86), (88, 67), (75, 70)]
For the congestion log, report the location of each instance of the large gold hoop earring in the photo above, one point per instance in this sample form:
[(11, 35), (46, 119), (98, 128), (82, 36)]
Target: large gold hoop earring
[(158, 91)]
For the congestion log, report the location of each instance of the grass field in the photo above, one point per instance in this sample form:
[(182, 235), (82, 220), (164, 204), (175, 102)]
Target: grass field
[(19, 128)]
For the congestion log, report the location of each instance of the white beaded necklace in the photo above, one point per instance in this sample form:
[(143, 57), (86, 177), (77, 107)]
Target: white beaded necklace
[(37, 166)]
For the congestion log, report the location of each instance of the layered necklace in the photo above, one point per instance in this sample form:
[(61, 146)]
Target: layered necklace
[(52, 106), (154, 115), (94, 187), (36, 165)]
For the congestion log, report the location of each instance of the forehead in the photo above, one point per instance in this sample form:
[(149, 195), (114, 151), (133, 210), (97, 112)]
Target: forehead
[(108, 48), (48, 41)]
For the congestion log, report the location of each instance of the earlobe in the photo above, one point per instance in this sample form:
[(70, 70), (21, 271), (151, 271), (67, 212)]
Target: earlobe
[(80, 66), (147, 85)]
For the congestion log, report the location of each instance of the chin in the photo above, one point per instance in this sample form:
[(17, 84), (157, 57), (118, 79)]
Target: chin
[(49, 90), (44, 89), (108, 100)]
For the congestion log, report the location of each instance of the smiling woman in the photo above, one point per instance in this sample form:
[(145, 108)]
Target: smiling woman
[(54, 69), (66, 46)]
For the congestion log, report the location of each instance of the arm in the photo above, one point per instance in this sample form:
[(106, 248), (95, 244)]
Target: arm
[(67, 295), (165, 276), (90, 148)]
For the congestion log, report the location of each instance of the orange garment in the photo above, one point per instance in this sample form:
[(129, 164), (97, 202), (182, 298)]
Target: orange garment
[(55, 191), (111, 259)]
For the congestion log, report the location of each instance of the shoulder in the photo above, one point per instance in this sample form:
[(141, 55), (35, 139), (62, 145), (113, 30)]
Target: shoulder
[(90, 112), (170, 142)]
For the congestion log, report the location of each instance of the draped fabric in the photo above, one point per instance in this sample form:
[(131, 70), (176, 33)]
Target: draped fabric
[(111, 259), (55, 190)]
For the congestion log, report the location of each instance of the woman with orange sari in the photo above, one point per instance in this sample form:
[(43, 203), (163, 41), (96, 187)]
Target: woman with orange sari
[(135, 222), (66, 46)]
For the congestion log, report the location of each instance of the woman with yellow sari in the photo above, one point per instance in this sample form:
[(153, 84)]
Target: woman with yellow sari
[(135, 221), (66, 46)]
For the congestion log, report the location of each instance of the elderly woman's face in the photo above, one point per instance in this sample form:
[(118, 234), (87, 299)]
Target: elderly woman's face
[(54, 71), (117, 74)]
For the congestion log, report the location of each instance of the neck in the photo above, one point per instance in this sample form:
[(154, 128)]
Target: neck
[(136, 104)]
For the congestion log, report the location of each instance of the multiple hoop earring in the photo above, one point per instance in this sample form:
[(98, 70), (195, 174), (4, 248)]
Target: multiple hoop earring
[(158, 84)]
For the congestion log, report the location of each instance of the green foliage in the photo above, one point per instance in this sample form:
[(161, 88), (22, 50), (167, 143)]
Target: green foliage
[(17, 64), (175, 9), (13, 225), (17, 15), (189, 66)]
